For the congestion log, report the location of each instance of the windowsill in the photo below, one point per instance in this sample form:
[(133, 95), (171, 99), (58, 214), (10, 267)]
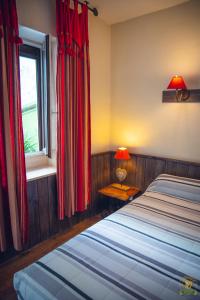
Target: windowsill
[(40, 173), (37, 160)]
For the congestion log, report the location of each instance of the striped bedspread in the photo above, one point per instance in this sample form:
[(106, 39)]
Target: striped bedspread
[(149, 249)]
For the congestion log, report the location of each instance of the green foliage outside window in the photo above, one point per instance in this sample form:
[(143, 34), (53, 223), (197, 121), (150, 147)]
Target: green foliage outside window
[(30, 127), (29, 145)]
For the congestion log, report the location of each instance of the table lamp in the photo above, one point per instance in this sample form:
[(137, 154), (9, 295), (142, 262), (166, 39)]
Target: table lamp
[(121, 174)]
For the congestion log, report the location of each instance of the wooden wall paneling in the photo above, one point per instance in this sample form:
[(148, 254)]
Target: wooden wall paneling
[(42, 193), (96, 196), (33, 207), (182, 169), (103, 163), (100, 170), (177, 168), (99, 181), (82, 216), (99, 174), (149, 174), (194, 171), (53, 205), (55, 225), (140, 173), (92, 187), (106, 169), (143, 169), (113, 166), (100, 178), (160, 166), (66, 223), (106, 178), (43, 198), (94, 183), (171, 167), (153, 168), (131, 170)]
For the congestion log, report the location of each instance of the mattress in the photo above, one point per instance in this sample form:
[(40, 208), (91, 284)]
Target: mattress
[(149, 249)]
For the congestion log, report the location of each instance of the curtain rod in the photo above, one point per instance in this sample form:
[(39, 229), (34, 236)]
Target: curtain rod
[(93, 9)]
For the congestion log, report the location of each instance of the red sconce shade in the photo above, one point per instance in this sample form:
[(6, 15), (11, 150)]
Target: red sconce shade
[(177, 83), (122, 153)]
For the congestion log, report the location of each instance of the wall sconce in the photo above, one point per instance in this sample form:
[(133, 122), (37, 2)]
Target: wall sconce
[(179, 92), (121, 174), (177, 83)]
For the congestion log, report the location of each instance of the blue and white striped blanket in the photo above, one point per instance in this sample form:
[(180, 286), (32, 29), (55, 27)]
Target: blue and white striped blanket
[(146, 250)]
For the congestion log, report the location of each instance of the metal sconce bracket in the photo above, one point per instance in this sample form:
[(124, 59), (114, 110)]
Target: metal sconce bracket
[(187, 96)]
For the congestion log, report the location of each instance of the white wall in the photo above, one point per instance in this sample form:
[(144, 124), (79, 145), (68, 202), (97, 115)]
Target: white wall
[(146, 52), (40, 15), (100, 49)]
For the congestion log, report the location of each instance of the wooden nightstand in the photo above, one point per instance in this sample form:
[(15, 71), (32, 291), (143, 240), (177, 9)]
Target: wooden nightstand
[(118, 197)]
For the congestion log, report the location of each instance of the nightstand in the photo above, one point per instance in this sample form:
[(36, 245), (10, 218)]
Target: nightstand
[(117, 197)]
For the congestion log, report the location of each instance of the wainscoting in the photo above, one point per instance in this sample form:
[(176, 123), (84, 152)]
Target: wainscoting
[(101, 176), (143, 169), (42, 194), (42, 201)]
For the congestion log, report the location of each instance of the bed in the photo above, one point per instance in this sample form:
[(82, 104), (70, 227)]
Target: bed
[(149, 249)]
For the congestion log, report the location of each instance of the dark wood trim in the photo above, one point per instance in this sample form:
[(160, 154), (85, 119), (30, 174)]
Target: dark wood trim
[(170, 96), (100, 153), (163, 158)]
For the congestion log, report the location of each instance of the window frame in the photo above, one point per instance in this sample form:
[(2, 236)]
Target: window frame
[(40, 54)]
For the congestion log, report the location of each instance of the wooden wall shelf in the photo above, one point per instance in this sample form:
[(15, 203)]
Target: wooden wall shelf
[(170, 97)]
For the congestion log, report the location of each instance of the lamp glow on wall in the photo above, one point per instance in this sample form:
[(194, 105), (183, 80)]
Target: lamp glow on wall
[(177, 83), (121, 174)]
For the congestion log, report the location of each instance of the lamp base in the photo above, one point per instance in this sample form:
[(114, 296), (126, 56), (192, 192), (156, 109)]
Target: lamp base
[(121, 174), (121, 187)]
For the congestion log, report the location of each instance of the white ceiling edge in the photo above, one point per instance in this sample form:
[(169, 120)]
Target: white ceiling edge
[(117, 11)]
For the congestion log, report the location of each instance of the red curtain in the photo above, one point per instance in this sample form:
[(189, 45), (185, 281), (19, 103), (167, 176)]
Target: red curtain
[(73, 103), (13, 193)]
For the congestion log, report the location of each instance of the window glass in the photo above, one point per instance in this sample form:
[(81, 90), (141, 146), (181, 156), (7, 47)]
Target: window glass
[(29, 99)]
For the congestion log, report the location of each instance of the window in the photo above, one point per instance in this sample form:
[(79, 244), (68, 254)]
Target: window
[(34, 98)]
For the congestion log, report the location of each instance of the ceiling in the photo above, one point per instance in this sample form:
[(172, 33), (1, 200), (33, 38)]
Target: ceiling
[(115, 11)]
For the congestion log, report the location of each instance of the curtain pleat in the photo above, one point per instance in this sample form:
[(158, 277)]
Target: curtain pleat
[(3, 243), (13, 204), (73, 103)]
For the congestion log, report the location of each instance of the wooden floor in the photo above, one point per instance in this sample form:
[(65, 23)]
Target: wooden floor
[(8, 269)]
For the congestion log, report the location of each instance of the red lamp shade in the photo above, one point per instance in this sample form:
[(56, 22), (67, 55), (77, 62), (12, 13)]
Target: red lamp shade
[(177, 83), (122, 153)]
